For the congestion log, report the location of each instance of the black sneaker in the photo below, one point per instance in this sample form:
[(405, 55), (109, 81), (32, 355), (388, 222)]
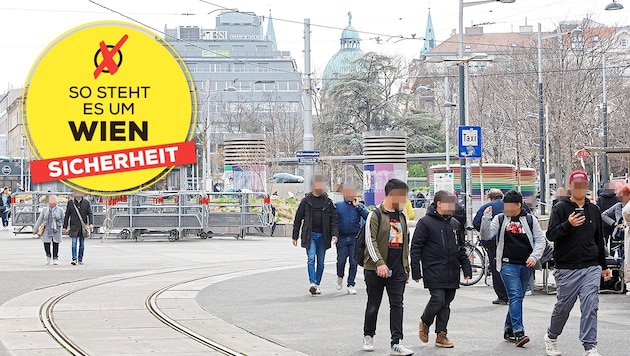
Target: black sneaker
[(520, 339), (508, 335), (500, 302), (74, 262)]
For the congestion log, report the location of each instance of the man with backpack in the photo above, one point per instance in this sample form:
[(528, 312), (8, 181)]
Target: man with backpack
[(438, 244), (520, 245), (386, 264), (350, 213), (489, 243), (316, 217)]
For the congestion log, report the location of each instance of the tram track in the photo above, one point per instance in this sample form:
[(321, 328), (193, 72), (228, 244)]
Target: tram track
[(47, 316)]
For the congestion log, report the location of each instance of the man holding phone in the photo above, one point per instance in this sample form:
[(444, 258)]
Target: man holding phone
[(575, 227)]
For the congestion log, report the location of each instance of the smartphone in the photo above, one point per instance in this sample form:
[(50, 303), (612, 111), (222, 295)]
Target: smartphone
[(389, 273), (579, 211)]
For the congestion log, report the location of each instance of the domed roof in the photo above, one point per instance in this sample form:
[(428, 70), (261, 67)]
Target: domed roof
[(343, 62), (350, 33)]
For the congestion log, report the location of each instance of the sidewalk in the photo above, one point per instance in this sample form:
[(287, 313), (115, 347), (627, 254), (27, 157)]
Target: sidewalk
[(249, 295)]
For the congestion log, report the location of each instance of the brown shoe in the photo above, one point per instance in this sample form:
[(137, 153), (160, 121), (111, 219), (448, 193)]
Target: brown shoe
[(443, 341), (423, 332)]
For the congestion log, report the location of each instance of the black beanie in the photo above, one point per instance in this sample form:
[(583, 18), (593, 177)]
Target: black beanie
[(512, 196)]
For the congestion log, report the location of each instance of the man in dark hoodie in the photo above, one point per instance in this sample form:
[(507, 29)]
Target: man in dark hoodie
[(316, 217), (438, 245), (575, 227)]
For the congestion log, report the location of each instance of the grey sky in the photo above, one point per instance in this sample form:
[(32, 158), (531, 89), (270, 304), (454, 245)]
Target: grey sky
[(27, 26)]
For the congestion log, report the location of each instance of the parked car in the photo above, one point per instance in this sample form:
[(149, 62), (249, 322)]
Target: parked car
[(287, 178)]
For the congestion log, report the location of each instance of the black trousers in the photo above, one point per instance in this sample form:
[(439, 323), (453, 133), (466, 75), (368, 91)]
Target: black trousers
[(55, 250), (439, 308), (497, 282), (395, 289)]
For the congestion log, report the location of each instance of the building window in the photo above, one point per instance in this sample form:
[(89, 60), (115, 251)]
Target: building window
[(262, 48), (192, 67), (623, 42), (238, 48)]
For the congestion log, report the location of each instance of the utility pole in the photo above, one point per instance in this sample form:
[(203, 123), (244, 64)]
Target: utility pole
[(462, 102), (541, 129), (604, 122), (307, 104)]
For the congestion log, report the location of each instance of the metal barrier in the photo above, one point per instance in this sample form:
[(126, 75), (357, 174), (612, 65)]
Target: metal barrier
[(242, 210), (26, 207), (178, 214)]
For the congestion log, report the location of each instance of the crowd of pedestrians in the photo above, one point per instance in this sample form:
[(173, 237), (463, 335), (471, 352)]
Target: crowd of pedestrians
[(512, 236)]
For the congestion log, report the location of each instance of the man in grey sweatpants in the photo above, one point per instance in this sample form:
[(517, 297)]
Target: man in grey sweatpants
[(575, 227)]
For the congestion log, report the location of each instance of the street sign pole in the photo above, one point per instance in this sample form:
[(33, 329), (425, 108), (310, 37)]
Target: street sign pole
[(469, 147)]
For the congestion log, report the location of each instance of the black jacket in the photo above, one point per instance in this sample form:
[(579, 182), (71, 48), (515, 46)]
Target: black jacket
[(438, 245), (576, 247), (71, 219), (304, 217), (607, 199)]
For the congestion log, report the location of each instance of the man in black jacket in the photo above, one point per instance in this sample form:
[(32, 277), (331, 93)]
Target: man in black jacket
[(575, 227), (73, 224), (439, 245), (317, 219)]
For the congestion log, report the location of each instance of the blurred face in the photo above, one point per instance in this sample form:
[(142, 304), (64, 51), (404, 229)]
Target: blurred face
[(579, 190), (349, 194), (561, 192), (398, 198), (78, 195), (52, 201), (624, 197), (446, 206), (318, 188), (512, 209)]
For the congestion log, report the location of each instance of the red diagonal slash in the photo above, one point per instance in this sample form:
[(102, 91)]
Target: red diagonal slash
[(108, 57)]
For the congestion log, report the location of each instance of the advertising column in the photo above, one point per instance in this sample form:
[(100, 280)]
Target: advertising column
[(384, 158)]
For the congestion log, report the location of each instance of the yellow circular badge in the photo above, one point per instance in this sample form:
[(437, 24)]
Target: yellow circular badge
[(109, 108)]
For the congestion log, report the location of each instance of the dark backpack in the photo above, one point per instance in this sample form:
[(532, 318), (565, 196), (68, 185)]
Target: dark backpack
[(359, 240)]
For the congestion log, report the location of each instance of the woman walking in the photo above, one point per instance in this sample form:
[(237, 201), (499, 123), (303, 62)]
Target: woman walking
[(51, 219), (4, 208)]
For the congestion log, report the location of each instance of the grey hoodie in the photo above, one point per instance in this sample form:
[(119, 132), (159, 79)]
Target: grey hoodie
[(490, 227)]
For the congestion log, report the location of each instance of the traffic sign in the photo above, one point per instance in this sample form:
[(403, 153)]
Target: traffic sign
[(469, 142), (307, 154)]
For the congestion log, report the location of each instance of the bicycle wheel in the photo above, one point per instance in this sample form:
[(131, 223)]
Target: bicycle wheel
[(478, 264)]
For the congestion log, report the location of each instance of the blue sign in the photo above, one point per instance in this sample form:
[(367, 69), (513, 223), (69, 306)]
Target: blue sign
[(307, 154), (469, 142)]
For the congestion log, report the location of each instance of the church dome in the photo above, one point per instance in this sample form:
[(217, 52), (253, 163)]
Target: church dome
[(343, 62)]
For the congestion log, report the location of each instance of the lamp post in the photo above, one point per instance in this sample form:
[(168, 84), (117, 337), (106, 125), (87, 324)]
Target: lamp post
[(543, 120), (464, 163), (614, 5)]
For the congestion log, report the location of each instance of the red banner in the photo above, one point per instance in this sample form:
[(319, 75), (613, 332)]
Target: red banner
[(93, 164)]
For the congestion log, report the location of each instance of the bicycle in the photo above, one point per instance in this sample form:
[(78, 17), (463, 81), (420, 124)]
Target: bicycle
[(478, 261)]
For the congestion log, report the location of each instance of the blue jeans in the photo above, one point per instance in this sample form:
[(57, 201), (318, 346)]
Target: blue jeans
[(5, 218), (316, 250), (81, 247), (345, 251), (516, 280)]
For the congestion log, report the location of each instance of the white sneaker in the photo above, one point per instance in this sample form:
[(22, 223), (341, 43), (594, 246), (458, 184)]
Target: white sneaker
[(352, 290), (339, 283), (55, 262), (592, 352), (318, 291), (400, 350), (47, 260), (529, 292), (551, 346), (368, 343)]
